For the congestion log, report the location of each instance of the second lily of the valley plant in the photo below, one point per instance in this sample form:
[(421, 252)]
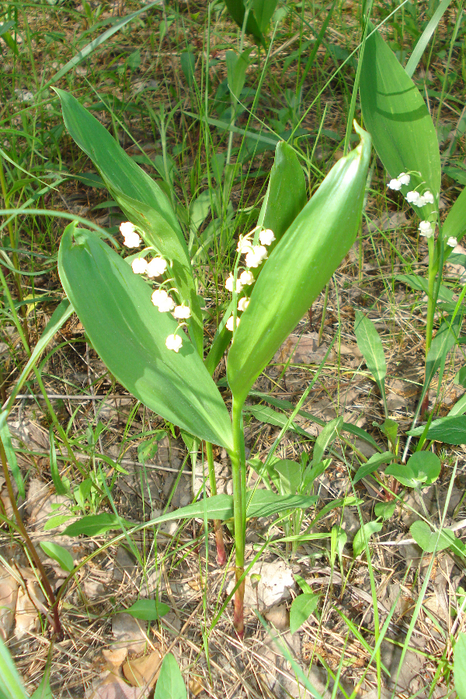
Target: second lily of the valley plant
[(152, 340)]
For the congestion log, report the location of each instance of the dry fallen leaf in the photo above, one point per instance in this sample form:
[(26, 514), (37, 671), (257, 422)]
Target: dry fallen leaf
[(114, 688), (114, 658), (143, 671), (128, 632), (8, 597), (195, 686)]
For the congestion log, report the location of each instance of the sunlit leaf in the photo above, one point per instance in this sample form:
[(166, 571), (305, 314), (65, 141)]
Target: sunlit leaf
[(298, 268), (398, 120), (129, 333)]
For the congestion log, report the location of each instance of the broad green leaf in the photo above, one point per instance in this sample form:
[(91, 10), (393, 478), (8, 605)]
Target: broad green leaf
[(450, 430), (363, 535), (147, 609), (289, 474), (11, 686), (129, 333), (455, 223), (237, 10), (430, 541), (420, 283), (263, 11), (301, 609), (298, 268), (444, 340), (398, 120), (265, 503), (237, 66), (372, 465), (287, 405), (371, 348), (421, 469), (326, 438), (170, 684), (12, 461), (268, 416), (59, 317), (138, 195), (44, 690), (286, 192), (95, 525), (459, 666), (59, 554)]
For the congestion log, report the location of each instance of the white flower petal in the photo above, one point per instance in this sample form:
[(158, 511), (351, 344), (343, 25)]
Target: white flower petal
[(452, 242), (243, 303), (163, 301), (182, 312), (266, 237), (395, 185), (156, 267), (425, 229), (246, 278), (174, 342), (139, 265)]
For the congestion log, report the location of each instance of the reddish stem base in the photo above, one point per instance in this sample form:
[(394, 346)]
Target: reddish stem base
[(221, 553)]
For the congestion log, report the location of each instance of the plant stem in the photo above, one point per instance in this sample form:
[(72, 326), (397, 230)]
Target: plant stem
[(239, 508), (431, 299), (221, 554), (55, 621)]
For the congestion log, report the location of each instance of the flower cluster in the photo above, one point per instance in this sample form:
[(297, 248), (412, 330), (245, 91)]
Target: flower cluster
[(412, 197), (417, 199), (161, 299), (254, 256)]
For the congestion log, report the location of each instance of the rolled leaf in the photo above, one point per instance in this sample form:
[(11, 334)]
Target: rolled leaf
[(299, 267), (285, 198), (286, 192), (139, 197), (398, 120), (129, 333)]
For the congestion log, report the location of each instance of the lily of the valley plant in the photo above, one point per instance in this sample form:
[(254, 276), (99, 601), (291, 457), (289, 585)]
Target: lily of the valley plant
[(143, 313)]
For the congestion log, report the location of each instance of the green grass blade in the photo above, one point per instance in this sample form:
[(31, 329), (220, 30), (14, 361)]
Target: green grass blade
[(397, 118), (129, 333), (95, 43), (10, 684), (425, 37), (299, 267)]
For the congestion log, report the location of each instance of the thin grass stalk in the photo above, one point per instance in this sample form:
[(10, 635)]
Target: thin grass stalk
[(218, 530), (14, 257), (55, 619), (239, 513)]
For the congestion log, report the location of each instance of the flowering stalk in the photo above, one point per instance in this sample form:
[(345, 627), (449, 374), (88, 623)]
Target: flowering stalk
[(238, 468)]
